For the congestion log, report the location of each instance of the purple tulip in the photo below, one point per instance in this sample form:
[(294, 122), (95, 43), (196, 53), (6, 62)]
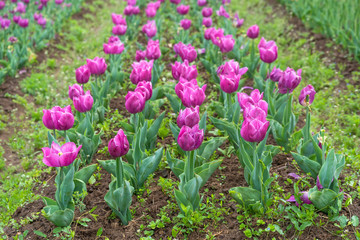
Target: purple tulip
[(222, 12), (254, 130), (201, 51), (227, 43), (208, 33), (185, 24), (97, 66), (13, 39), (141, 71), (21, 7), (289, 81), (237, 21), (207, 22), (231, 67), (82, 74), (113, 39), (75, 91), (183, 9), (58, 2), (23, 22), (175, 1), (256, 112), (63, 156), (118, 19), (119, 145), (131, 2), (5, 23), (58, 118), (189, 138), (201, 3), (145, 88), (188, 117), (207, 12), (190, 93), (113, 48), (155, 5), (268, 51), (150, 12), (187, 52), (226, 1), (216, 35), (229, 83), (276, 74), (318, 184), (150, 29), (140, 55), (307, 93), (184, 70), (16, 18), (42, 22), (294, 175), (254, 99), (153, 50), (119, 29), (134, 102), (253, 32), (304, 198), (2, 5), (83, 103)]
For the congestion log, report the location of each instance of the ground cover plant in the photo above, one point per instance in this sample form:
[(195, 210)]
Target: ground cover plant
[(186, 123)]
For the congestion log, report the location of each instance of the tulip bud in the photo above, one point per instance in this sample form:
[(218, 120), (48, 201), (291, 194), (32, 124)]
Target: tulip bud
[(141, 71), (63, 156), (83, 103), (150, 29), (307, 95), (207, 22), (189, 138), (145, 88), (23, 22), (188, 117), (184, 70), (134, 102), (226, 43), (153, 50), (255, 99), (183, 9), (97, 66), (119, 29), (118, 19), (268, 51), (58, 118), (185, 24), (206, 12), (276, 74), (150, 12), (229, 83), (254, 130), (82, 74), (75, 91), (187, 52), (119, 145), (201, 3), (222, 12), (253, 32), (289, 81)]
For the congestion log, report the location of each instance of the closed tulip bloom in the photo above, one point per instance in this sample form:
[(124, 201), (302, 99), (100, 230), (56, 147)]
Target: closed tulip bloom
[(118, 19), (185, 24), (150, 12), (201, 3), (256, 112), (237, 21), (23, 22), (97, 66), (145, 88), (141, 71), (268, 51), (231, 67), (42, 22), (119, 145), (58, 118), (150, 29), (155, 5), (193, 97), (119, 29), (21, 7), (207, 22), (140, 55), (75, 91), (276, 74), (82, 74), (2, 4), (113, 48), (63, 156), (227, 43), (307, 95), (229, 83), (226, 1), (254, 130), (153, 50), (189, 138), (187, 52), (206, 12), (182, 84), (135, 10), (83, 103), (184, 70), (5, 23), (208, 33), (177, 47), (255, 99), (113, 39), (253, 32), (222, 12), (289, 81), (131, 2), (58, 2), (175, 1), (188, 117), (183, 9), (13, 39), (17, 18), (134, 102)]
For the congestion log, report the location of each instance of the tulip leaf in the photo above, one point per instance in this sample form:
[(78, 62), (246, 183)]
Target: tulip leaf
[(202, 123), (85, 127), (307, 165), (176, 165), (61, 218), (207, 148), (327, 171), (230, 129), (340, 165), (83, 176), (175, 102), (318, 150), (110, 167), (245, 195), (154, 129), (51, 139), (324, 199), (206, 170), (148, 166)]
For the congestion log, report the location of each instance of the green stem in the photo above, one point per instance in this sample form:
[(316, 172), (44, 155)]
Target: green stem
[(189, 166), (307, 125), (54, 131), (254, 153), (65, 135), (228, 105), (119, 173), (61, 171)]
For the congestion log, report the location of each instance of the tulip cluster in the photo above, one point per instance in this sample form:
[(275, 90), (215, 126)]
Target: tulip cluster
[(120, 24), (186, 52), (83, 102)]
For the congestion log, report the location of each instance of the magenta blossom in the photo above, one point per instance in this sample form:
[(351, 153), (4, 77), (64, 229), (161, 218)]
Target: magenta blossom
[(268, 51), (189, 138), (304, 198), (229, 83), (254, 99), (58, 118), (97, 66), (276, 74), (37, 16), (23, 22), (206, 12), (134, 102), (183, 9), (175, 1), (190, 93), (208, 33), (150, 12), (230, 67), (222, 12), (184, 70), (113, 48), (188, 117), (207, 22), (75, 91), (2, 4), (141, 71), (187, 52), (253, 32), (145, 88), (216, 36), (289, 81), (119, 145), (113, 39), (82, 74), (150, 29), (83, 103), (140, 55), (63, 156), (201, 2), (185, 24), (5, 23), (237, 21), (119, 29), (153, 50), (256, 112), (227, 43), (254, 130), (307, 95), (118, 19)]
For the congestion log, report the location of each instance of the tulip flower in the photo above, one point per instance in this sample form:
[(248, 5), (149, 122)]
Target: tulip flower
[(289, 81), (190, 93), (307, 95), (131, 2), (150, 12), (63, 156), (253, 32), (5, 23), (189, 138), (222, 12), (113, 39), (254, 130), (119, 29), (113, 48), (2, 4), (150, 29), (230, 67), (184, 70), (42, 22), (207, 22), (82, 74), (226, 43), (229, 83), (21, 8), (226, 1), (256, 112), (75, 91), (237, 21), (183, 9), (276, 74), (58, 118), (140, 55), (97, 66), (255, 99), (294, 176), (268, 51), (185, 24), (134, 102), (118, 19), (187, 52), (141, 71), (206, 12), (153, 50), (17, 18), (23, 22), (13, 39), (188, 117), (175, 1), (145, 88), (58, 2), (216, 35), (83, 103), (119, 145), (37, 16), (201, 3)]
